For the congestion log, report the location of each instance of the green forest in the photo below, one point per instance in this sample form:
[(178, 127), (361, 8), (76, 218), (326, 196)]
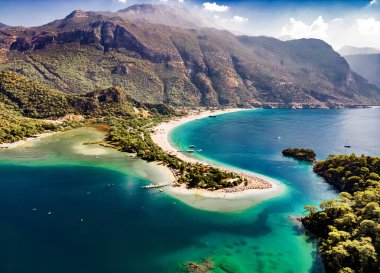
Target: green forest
[(349, 226), (307, 155)]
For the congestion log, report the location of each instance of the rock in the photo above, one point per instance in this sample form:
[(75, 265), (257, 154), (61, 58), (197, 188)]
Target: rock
[(121, 69)]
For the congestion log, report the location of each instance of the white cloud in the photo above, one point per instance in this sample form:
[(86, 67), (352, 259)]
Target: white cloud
[(239, 19), (214, 7), (299, 29), (181, 1), (368, 26), (122, 1), (374, 3)]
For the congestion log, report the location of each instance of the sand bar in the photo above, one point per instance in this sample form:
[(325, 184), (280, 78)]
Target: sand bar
[(233, 199)]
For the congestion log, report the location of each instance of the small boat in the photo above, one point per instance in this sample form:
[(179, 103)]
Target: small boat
[(200, 150), (212, 116), (49, 212), (192, 146), (190, 151), (161, 190)]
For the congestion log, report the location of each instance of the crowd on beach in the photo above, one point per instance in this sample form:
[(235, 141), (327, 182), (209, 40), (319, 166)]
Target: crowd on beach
[(255, 184)]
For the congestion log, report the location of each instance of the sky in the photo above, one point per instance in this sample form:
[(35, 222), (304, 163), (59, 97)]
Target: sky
[(355, 23)]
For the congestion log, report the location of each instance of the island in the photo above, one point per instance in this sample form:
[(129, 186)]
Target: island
[(307, 155), (348, 227)]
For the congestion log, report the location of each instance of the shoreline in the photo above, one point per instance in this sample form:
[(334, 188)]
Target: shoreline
[(28, 140), (263, 187)]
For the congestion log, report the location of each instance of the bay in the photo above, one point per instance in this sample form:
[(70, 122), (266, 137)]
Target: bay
[(102, 221)]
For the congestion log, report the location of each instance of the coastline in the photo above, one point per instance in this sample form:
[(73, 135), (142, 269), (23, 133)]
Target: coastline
[(28, 140), (264, 187)]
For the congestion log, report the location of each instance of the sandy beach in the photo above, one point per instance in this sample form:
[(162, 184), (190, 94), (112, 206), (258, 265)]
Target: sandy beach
[(29, 140), (259, 188)]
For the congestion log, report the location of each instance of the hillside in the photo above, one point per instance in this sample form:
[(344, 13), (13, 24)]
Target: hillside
[(2, 25), (31, 98), (366, 65), (157, 63), (26, 102)]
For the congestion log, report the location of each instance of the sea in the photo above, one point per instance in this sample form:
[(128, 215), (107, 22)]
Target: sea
[(67, 205)]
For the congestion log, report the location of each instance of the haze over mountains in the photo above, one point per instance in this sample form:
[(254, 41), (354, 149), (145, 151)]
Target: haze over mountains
[(366, 65), (364, 61), (161, 54)]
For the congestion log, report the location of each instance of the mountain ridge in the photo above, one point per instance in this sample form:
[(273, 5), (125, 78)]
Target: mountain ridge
[(351, 50), (158, 63), (366, 65)]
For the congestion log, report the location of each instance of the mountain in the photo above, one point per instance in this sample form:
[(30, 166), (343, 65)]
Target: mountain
[(366, 65), (159, 63), (351, 50), (3, 25)]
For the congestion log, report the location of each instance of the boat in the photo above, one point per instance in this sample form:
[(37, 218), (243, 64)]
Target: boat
[(346, 145), (200, 150), (192, 146), (161, 190), (190, 151), (212, 116)]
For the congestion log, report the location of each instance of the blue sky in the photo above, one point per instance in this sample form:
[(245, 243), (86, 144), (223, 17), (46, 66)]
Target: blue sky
[(337, 22), (37, 12)]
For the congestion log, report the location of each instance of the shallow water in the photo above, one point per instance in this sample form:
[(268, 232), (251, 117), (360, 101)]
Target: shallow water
[(127, 229)]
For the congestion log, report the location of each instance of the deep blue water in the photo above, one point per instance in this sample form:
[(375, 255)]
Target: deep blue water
[(253, 140), (127, 229)]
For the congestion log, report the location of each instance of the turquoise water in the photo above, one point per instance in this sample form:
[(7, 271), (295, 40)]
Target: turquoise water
[(127, 229)]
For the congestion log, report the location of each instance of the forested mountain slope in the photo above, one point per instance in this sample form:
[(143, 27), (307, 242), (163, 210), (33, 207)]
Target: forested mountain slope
[(157, 63)]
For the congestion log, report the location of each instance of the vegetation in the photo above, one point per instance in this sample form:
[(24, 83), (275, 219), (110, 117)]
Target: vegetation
[(300, 154), (132, 136), (349, 227), (14, 127), (158, 64), (24, 102)]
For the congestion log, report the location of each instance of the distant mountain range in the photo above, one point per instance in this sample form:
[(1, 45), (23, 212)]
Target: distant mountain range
[(366, 65), (161, 54), (2, 25), (351, 50), (365, 61)]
